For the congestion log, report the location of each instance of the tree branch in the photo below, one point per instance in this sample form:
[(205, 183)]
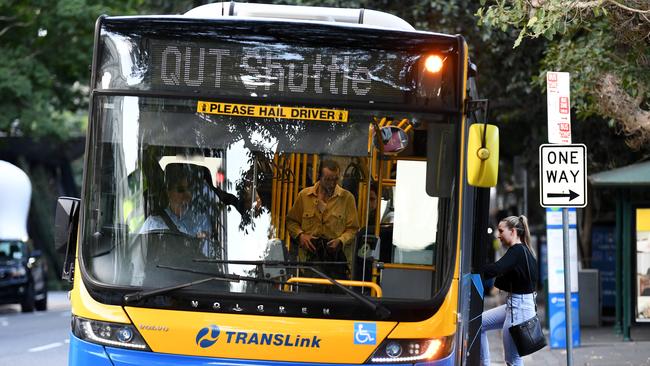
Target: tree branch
[(586, 5), (596, 3), (640, 96), (616, 103), (6, 29), (628, 8)]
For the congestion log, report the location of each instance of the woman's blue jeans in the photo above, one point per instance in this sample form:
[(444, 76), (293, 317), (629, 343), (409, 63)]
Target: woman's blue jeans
[(523, 308)]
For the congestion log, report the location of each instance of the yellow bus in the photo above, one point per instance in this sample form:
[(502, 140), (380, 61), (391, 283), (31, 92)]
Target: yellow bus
[(278, 185)]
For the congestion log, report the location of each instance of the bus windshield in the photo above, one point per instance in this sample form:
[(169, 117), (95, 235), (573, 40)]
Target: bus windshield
[(177, 194)]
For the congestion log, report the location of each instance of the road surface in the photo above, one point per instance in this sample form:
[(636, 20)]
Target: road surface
[(38, 338)]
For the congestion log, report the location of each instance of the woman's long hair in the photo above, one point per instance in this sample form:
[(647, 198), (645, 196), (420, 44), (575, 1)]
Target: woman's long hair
[(520, 223)]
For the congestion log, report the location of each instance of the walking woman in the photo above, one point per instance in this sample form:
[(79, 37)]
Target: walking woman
[(513, 276)]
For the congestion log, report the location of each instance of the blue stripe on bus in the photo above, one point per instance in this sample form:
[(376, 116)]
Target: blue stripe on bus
[(85, 353)]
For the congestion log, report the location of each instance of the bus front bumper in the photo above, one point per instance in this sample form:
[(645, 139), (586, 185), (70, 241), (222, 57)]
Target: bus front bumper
[(85, 353)]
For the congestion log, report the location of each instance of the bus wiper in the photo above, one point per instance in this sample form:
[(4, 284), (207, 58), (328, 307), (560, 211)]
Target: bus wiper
[(140, 295), (379, 309)]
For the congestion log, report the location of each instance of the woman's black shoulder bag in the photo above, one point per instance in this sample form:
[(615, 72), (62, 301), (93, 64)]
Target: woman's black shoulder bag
[(528, 336)]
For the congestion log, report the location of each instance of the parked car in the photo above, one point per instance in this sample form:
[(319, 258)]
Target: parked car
[(23, 271), (23, 276)]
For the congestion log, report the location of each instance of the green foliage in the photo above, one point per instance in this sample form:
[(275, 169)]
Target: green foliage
[(588, 55), (45, 53), (589, 39), (532, 22), (585, 58)]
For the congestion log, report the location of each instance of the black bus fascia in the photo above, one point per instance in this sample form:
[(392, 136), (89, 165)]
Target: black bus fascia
[(146, 22), (204, 29)]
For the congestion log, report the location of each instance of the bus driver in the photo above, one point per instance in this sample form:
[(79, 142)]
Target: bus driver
[(178, 216), (175, 215)]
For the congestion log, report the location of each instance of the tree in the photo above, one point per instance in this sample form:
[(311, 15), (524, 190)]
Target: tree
[(45, 53), (604, 44)]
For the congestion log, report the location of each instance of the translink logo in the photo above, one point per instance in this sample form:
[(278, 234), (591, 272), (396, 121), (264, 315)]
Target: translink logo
[(261, 339)]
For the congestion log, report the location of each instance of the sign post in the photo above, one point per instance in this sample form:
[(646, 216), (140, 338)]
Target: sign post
[(563, 183)]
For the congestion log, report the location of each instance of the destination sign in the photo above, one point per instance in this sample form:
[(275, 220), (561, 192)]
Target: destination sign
[(258, 71), (268, 111), (261, 70), (234, 63)]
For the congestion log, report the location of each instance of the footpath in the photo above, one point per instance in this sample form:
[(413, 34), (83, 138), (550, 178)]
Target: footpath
[(599, 346)]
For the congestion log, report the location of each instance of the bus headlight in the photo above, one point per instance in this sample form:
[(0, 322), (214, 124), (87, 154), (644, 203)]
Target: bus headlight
[(412, 350), (108, 334), (393, 349)]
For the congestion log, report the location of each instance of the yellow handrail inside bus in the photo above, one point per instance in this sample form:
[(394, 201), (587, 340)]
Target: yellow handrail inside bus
[(283, 197), (361, 202), (314, 168), (303, 176), (274, 200), (415, 267), (375, 288)]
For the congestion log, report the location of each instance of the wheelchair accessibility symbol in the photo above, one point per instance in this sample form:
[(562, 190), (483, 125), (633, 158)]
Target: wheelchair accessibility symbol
[(365, 333)]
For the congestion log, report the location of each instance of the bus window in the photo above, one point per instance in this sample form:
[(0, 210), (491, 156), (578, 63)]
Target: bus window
[(208, 194)]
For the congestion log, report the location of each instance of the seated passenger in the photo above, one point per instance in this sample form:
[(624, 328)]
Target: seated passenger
[(323, 220)]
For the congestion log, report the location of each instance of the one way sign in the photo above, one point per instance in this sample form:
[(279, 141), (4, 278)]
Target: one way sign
[(563, 175)]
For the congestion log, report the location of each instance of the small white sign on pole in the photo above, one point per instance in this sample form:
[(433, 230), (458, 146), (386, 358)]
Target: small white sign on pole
[(558, 104)]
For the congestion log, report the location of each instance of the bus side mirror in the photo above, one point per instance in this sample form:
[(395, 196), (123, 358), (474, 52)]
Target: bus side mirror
[(483, 155), (66, 223)]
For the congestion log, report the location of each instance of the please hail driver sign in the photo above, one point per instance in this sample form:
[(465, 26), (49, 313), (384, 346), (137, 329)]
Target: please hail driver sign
[(563, 175)]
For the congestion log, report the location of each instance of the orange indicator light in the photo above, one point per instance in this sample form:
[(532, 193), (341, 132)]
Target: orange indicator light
[(433, 63)]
